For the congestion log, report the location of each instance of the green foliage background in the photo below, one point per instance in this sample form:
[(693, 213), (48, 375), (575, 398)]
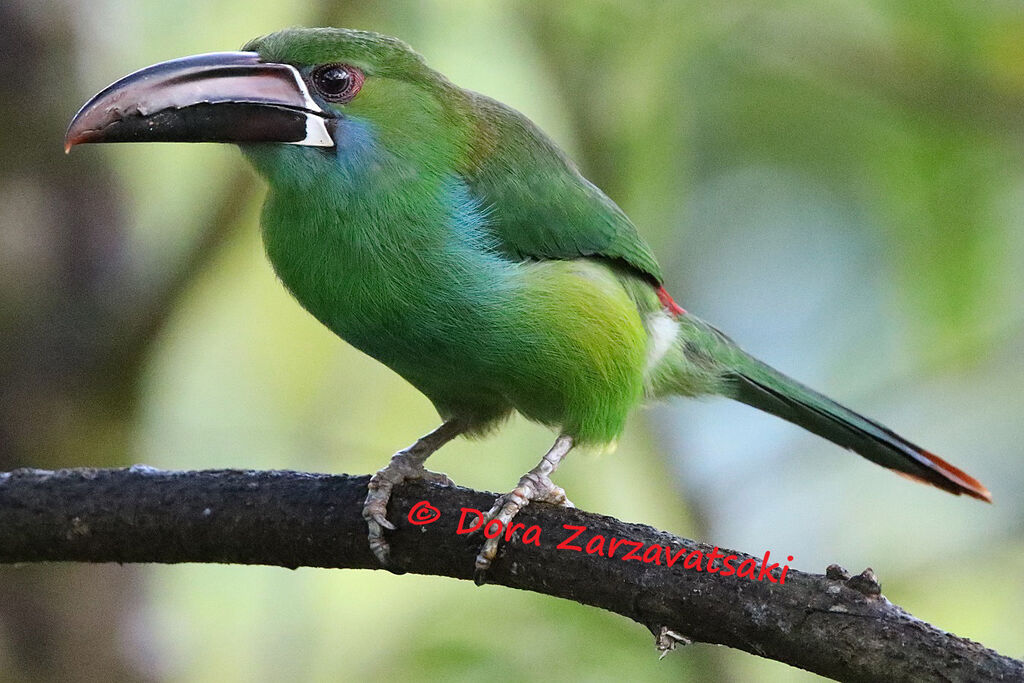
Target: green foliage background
[(838, 184)]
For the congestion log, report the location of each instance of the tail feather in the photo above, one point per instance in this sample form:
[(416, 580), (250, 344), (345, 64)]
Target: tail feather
[(800, 405), (752, 382)]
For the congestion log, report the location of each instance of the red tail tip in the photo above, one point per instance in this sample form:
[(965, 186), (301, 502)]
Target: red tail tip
[(963, 482)]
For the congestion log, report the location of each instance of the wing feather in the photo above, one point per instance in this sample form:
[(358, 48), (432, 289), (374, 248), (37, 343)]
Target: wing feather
[(539, 205)]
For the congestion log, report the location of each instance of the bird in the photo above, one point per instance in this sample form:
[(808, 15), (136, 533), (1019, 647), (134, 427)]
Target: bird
[(442, 233)]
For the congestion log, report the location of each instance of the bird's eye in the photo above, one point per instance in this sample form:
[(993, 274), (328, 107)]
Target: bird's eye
[(337, 82)]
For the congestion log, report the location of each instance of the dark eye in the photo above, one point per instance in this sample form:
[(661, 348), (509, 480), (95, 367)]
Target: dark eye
[(337, 82)]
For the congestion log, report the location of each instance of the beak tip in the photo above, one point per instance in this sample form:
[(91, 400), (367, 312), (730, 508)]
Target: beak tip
[(79, 133), (74, 135)]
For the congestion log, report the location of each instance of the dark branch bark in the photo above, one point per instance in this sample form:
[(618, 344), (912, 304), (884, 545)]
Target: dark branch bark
[(831, 625)]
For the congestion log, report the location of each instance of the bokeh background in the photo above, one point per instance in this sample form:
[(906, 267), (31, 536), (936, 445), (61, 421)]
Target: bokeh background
[(837, 184)]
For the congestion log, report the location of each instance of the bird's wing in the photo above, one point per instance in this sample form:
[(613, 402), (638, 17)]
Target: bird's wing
[(538, 204)]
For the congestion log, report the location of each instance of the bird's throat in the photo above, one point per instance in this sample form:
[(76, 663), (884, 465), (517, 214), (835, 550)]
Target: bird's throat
[(371, 250)]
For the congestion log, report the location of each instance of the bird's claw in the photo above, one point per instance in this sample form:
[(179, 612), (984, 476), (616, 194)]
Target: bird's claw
[(403, 467), (667, 640), (532, 487)]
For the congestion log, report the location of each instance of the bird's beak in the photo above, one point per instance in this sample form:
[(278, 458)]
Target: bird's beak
[(216, 97)]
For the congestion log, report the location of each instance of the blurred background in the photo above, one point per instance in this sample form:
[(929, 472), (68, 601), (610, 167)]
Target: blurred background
[(839, 185)]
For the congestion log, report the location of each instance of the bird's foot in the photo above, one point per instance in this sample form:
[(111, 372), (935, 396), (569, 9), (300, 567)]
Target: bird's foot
[(404, 466), (535, 485), (667, 640)]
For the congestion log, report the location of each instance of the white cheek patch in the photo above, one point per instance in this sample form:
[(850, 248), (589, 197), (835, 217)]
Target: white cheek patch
[(662, 330), (317, 134)]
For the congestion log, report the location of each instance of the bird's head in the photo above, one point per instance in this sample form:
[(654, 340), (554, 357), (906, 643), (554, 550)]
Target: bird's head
[(305, 93)]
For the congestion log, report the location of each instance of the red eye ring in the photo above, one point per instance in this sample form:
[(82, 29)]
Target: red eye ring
[(337, 82)]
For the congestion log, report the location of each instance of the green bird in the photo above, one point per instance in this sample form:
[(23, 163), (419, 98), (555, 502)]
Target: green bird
[(442, 233)]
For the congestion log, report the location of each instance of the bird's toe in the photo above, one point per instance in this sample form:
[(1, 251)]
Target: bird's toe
[(402, 467)]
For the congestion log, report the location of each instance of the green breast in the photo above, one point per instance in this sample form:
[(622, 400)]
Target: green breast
[(413, 282)]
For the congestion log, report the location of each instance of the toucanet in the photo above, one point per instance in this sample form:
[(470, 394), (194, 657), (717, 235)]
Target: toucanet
[(442, 233)]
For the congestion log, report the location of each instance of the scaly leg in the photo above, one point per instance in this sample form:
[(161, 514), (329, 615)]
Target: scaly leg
[(534, 485), (405, 464)]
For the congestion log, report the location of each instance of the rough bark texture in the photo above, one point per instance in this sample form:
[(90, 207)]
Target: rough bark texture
[(833, 625)]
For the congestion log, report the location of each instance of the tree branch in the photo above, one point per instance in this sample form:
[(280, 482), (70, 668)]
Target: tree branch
[(832, 625)]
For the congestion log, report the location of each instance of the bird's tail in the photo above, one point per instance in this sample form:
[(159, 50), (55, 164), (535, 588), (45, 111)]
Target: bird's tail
[(702, 351)]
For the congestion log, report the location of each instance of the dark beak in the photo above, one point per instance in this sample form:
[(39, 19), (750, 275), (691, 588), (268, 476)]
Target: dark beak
[(216, 97)]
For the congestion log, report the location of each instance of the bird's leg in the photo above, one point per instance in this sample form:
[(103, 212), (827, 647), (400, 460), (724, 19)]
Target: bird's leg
[(534, 485), (405, 464)]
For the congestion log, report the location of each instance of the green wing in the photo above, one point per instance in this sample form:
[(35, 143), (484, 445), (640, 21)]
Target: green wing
[(539, 206)]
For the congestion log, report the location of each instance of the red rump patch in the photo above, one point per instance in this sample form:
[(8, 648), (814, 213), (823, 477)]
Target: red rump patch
[(666, 300)]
